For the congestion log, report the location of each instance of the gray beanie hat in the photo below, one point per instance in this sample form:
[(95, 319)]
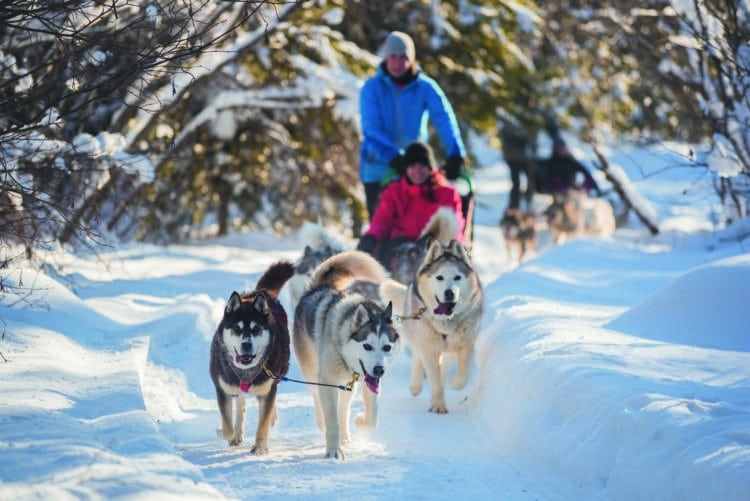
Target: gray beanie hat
[(399, 42)]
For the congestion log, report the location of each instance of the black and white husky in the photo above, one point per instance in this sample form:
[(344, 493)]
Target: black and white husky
[(249, 352), (341, 337)]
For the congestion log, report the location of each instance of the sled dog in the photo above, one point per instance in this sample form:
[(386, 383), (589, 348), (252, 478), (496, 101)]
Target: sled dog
[(249, 352), (577, 214), (319, 246), (442, 311), (341, 337), (517, 227)]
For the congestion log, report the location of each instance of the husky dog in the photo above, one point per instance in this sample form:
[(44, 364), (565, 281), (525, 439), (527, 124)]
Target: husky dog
[(577, 214), (517, 227), (310, 259), (443, 307), (249, 352), (319, 246), (405, 259), (339, 337)]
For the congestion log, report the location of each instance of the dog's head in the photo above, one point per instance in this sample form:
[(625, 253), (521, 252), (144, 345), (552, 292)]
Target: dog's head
[(405, 259), (517, 223), (245, 329), (373, 342), (563, 214), (445, 278), (311, 258)]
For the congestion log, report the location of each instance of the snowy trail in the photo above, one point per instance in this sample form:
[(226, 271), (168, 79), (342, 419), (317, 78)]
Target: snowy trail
[(412, 450), (106, 391)]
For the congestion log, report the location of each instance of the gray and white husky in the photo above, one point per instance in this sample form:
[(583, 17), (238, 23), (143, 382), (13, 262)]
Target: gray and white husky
[(441, 310), (319, 246), (249, 352), (341, 337)]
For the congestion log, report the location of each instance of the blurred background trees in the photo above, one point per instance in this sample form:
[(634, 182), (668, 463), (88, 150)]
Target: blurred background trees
[(161, 120)]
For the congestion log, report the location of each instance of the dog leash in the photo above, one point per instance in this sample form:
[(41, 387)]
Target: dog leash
[(416, 316), (347, 387)]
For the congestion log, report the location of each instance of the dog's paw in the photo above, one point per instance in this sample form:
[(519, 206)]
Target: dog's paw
[(363, 423), (415, 388), (439, 409), (237, 440), (335, 453), (259, 449), (459, 382)]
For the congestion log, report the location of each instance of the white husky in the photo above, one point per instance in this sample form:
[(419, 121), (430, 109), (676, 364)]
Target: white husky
[(442, 312), (339, 337)]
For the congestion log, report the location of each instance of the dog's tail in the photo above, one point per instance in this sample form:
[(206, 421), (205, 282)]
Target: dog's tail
[(442, 226), (395, 292), (342, 269), (275, 277)]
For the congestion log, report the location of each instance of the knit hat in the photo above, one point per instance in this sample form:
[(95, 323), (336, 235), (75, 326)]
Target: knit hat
[(399, 42), (419, 152)]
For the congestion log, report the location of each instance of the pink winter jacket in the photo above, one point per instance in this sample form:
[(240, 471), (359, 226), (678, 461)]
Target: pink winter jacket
[(404, 209)]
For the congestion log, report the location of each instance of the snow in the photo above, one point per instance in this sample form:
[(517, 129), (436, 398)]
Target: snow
[(615, 369)]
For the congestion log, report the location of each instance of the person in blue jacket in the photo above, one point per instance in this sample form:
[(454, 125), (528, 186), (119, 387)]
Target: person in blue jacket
[(395, 107)]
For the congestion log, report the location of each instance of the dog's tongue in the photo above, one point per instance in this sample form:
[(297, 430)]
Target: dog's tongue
[(243, 359), (444, 309), (372, 382)]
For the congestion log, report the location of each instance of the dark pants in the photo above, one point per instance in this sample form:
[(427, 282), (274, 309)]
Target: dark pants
[(372, 194), (529, 168)]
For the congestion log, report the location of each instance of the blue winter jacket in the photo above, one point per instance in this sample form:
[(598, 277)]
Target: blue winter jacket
[(392, 117)]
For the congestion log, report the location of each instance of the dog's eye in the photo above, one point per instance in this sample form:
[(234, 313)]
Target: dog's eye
[(237, 329), (440, 278), (457, 278), (256, 330), (367, 347), (387, 348)]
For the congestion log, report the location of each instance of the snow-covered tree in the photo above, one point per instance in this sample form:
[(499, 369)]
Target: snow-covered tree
[(160, 120)]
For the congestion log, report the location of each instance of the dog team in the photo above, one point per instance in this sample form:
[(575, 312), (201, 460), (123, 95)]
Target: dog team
[(352, 317), (568, 216), (346, 335)]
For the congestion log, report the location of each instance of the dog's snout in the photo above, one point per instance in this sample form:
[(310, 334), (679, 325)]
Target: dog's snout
[(247, 346), (378, 371), (449, 295)]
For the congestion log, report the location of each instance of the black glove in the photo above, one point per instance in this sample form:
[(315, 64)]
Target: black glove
[(453, 166), (398, 163), (367, 244)]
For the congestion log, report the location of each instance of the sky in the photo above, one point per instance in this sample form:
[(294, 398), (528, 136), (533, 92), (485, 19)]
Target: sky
[(614, 368)]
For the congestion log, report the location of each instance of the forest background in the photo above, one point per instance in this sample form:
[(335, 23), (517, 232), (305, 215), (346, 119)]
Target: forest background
[(165, 120)]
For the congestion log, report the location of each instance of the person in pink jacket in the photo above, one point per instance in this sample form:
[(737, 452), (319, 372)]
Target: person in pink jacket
[(407, 204)]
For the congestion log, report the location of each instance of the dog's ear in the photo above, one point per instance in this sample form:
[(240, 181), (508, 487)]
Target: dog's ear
[(434, 251), (234, 303), (457, 248), (361, 317), (261, 304), (388, 312)]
